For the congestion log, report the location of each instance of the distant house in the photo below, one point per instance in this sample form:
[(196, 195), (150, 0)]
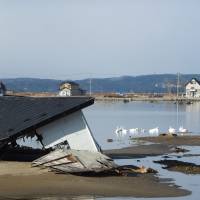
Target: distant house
[(71, 88), (2, 89), (193, 88)]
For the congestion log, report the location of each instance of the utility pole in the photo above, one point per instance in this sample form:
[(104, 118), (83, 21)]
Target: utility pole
[(178, 84), (177, 100), (168, 85), (90, 87)]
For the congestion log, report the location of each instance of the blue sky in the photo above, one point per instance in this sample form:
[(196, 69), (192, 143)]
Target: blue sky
[(95, 38)]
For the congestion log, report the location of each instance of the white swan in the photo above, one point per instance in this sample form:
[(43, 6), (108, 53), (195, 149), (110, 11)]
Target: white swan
[(171, 130), (136, 131), (142, 130), (183, 130), (124, 132), (133, 131), (154, 131), (120, 132)]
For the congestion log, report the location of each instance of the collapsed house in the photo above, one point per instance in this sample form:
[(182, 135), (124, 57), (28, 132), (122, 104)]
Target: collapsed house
[(51, 132)]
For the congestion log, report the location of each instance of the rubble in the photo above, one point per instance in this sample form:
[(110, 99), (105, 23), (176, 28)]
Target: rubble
[(180, 150), (75, 161)]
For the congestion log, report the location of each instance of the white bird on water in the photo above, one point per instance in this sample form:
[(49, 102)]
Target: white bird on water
[(171, 130), (183, 130), (133, 131), (154, 131), (136, 131), (121, 132)]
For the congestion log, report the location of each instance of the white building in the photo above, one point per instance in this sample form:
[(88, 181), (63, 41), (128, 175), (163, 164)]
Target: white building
[(70, 88), (193, 89)]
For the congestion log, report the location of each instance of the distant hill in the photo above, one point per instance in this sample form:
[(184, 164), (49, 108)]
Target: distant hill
[(159, 83), (32, 84)]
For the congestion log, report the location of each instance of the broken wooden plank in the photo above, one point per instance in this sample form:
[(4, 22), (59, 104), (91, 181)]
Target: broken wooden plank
[(70, 168), (71, 161), (63, 160), (52, 156)]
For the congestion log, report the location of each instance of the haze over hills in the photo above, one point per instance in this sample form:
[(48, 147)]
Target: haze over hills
[(158, 83)]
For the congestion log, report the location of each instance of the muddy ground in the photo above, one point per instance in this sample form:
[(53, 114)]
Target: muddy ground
[(180, 166), (159, 146), (187, 140)]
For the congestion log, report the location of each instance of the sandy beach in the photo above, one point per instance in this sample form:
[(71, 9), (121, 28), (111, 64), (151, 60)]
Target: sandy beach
[(187, 140), (18, 179)]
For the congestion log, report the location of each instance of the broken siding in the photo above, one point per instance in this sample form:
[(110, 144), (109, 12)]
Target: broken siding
[(73, 129)]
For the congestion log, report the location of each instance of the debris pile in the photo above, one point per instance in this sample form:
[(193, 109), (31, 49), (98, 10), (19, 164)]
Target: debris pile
[(180, 150), (75, 161), (86, 163), (135, 169)]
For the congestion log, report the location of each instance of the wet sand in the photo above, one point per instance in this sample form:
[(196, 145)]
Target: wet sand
[(180, 166), (140, 151), (188, 140), (161, 145), (19, 180)]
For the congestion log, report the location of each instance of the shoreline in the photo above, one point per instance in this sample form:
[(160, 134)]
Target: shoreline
[(107, 97), (146, 99)]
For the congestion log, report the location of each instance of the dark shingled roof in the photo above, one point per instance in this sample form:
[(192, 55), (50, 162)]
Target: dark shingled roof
[(191, 81), (69, 82), (18, 115)]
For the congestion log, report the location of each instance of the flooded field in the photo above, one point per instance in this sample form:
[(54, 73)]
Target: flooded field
[(105, 117)]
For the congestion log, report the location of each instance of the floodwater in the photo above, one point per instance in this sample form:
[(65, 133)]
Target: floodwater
[(103, 118)]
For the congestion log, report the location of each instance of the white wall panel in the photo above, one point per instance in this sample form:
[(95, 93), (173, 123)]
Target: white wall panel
[(72, 128)]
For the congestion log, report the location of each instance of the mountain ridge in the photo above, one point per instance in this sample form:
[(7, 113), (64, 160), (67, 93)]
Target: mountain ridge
[(152, 83)]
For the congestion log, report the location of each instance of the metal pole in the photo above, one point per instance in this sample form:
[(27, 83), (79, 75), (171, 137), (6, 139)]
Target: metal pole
[(90, 87), (177, 87), (177, 102)]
